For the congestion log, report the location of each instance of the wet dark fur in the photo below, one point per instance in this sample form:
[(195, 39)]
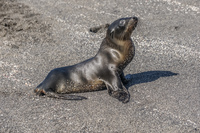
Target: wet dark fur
[(105, 69)]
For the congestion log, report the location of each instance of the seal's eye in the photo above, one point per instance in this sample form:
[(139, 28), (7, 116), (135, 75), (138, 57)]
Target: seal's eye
[(122, 23)]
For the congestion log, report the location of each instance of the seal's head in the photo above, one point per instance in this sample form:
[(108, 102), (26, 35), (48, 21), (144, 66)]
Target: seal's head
[(122, 28)]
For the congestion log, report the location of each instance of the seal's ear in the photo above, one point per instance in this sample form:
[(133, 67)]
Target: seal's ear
[(112, 33)]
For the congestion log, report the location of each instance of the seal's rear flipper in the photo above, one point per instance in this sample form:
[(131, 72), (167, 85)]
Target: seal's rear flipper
[(42, 92), (65, 96)]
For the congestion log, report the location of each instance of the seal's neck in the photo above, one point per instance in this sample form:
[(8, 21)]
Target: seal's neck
[(117, 44)]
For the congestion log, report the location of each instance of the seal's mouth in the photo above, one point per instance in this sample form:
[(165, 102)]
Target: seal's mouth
[(132, 23)]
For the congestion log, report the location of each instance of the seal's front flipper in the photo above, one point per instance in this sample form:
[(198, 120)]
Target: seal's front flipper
[(117, 90), (99, 28), (121, 96)]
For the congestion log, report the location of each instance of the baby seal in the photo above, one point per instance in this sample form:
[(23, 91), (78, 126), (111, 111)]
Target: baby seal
[(104, 70)]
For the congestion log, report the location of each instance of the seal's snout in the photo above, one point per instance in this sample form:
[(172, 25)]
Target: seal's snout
[(135, 19)]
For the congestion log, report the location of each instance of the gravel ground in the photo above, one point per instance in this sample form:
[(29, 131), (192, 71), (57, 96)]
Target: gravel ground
[(37, 36)]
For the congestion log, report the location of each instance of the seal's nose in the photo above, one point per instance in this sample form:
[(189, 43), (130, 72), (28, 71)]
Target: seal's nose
[(135, 18)]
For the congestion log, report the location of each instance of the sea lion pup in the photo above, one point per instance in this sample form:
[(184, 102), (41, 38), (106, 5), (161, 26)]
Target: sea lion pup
[(105, 69)]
